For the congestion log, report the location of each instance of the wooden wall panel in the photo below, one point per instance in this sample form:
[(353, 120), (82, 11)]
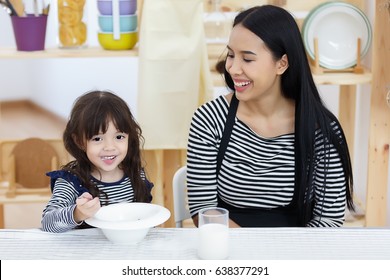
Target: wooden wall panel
[(377, 185), (160, 167)]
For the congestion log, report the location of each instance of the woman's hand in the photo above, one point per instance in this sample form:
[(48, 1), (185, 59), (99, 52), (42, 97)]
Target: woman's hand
[(86, 207)]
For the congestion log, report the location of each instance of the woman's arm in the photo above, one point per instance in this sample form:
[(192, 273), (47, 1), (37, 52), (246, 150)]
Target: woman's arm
[(330, 190), (202, 152)]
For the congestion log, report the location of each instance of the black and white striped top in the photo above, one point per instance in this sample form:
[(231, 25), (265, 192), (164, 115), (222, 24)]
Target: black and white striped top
[(58, 214), (256, 172)]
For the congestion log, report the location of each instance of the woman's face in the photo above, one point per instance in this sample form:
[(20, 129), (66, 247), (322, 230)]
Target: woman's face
[(106, 151), (250, 63)]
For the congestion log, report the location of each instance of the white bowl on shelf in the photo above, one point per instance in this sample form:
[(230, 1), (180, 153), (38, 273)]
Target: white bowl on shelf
[(128, 223), (337, 26)]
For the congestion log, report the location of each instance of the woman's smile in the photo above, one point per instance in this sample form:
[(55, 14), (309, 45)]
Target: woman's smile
[(241, 85)]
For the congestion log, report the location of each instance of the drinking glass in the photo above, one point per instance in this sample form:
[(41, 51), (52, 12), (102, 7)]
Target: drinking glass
[(213, 234), (216, 24)]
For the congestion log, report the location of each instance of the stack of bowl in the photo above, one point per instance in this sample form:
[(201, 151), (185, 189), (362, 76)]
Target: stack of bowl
[(118, 24)]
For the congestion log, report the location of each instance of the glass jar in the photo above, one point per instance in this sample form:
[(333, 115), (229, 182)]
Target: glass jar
[(216, 24), (72, 29)]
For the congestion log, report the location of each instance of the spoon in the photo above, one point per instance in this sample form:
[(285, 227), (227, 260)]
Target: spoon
[(36, 13), (5, 7), (18, 6), (116, 18), (8, 7)]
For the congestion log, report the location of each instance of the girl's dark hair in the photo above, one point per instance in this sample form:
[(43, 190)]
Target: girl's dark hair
[(280, 33), (90, 115)]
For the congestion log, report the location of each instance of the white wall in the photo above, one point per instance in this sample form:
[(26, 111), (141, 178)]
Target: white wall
[(56, 83)]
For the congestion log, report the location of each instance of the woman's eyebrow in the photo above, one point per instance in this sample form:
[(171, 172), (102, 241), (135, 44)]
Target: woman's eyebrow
[(243, 52)]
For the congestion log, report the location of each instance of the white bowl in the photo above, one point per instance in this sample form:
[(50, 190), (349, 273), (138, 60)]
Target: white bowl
[(128, 223), (337, 26)]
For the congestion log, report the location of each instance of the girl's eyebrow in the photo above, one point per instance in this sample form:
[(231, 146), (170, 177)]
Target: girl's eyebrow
[(243, 52)]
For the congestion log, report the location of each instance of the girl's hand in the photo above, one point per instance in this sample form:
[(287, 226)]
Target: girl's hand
[(86, 207)]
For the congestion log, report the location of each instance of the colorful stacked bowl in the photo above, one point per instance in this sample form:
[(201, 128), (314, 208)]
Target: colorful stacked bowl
[(127, 24)]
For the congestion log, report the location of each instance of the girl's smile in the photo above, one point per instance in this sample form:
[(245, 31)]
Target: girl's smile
[(108, 159)]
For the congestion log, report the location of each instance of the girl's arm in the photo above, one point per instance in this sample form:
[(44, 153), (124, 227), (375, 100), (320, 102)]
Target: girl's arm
[(58, 214)]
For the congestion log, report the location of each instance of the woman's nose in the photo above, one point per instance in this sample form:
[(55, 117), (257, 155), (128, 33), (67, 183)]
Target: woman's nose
[(234, 68)]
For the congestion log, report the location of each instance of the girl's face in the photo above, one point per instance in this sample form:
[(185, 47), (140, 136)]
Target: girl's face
[(250, 63), (106, 151)]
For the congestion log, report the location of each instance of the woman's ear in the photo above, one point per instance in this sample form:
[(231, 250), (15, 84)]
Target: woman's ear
[(282, 64)]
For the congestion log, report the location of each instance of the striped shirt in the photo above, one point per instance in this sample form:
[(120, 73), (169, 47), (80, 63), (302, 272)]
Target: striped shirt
[(58, 214), (256, 172)]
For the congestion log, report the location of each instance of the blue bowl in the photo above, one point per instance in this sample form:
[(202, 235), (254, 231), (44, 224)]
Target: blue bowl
[(127, 23)]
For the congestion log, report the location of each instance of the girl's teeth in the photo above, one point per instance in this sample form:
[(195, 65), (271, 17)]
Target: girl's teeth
[(111, 157)]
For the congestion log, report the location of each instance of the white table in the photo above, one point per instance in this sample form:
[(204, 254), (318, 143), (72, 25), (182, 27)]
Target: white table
[(180, 244)]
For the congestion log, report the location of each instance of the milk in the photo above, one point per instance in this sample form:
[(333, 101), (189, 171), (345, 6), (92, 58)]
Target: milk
[(213, 241)]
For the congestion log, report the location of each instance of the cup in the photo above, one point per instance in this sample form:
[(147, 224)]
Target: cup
[(30, 32), (213, 234)]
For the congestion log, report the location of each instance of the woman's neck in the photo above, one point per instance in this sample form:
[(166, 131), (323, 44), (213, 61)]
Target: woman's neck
[(269, 117)]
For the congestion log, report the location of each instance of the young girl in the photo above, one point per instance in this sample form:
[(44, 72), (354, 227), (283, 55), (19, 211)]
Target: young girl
[(104, 140), (286, 160)]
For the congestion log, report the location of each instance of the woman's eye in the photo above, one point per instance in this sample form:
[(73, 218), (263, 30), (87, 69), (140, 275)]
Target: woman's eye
[(230, 55)]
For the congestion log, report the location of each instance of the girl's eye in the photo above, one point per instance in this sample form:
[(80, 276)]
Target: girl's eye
[(120, 137), (96, 138)]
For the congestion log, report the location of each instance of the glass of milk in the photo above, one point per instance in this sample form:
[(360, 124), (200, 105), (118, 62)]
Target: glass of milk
[(213, 234)]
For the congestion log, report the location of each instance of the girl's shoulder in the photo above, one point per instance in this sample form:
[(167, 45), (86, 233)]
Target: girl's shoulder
[(67, 176)]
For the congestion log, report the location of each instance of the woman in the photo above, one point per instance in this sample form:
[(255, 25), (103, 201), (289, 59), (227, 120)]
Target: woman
[(286, 162)]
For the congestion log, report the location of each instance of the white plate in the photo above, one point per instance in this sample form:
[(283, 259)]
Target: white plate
[(125, 216), (337, 25)]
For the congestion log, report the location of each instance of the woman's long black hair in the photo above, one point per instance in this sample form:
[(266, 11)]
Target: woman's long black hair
[(280, 33), (90, 116)]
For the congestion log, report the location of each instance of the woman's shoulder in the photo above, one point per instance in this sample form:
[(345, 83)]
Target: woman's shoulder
[(215, 106)]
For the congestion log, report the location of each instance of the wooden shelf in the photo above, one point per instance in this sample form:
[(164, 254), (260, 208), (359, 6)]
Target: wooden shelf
[(215, 51), (320, 79), (12, 53), (342, 78)]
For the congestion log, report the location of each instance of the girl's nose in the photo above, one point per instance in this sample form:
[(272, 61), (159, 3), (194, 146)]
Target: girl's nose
[(109, 145)]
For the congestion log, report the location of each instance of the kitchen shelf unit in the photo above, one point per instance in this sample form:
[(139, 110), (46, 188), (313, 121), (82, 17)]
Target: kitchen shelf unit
[(11, 53)]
